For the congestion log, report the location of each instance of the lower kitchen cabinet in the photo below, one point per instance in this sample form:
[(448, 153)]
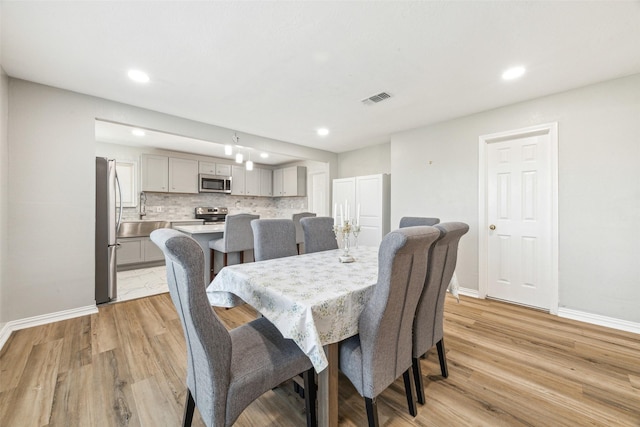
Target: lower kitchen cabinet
[(137, 250)]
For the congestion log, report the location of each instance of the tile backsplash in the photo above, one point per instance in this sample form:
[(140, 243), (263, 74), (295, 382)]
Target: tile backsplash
[(182, 206)]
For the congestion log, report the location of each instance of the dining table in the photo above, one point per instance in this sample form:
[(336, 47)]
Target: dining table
[(313, 299)]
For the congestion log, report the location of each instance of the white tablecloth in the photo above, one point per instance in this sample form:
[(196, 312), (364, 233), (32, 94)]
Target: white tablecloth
[(313, 298)]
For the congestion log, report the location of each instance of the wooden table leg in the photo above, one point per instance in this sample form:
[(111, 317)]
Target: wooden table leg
[(328, 389)]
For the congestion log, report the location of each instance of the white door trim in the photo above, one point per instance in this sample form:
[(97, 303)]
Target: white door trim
[(483, 236)]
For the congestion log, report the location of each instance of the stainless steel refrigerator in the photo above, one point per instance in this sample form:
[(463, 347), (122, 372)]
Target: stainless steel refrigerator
[(108, 217)]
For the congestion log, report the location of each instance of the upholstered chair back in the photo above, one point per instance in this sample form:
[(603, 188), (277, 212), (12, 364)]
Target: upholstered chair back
[(385, 324), (296, 221), (413, 221), (318, 234), (428, 324), (208, 342), (273, 238), (238, 235)]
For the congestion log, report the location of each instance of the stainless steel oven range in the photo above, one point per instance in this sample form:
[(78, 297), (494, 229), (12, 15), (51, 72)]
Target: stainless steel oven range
[(212, 215)]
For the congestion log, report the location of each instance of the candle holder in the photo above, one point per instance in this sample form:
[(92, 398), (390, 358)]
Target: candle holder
[(344, 230), (356, 231)]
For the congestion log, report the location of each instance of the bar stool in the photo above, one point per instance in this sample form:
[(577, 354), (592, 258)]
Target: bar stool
[(238, 237), (296, 221)]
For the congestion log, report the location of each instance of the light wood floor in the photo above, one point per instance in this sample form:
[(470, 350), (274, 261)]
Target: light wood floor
[(508, 366)]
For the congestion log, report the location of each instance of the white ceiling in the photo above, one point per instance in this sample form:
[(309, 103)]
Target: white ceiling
[(282, 69)]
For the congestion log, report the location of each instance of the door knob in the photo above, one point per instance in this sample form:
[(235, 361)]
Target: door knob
[(492, 227)]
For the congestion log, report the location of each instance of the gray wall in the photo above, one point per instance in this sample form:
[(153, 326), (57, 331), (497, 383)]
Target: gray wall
[(4, 189), (51, 205), (599, 188), (366, 161)]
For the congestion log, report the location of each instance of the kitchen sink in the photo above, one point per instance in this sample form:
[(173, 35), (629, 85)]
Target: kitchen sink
[(140, 228)]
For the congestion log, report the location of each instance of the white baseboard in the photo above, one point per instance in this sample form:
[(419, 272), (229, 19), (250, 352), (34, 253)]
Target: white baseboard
[(43, 319), (5, 333), (581, 316), (596, 319), (469, 292)]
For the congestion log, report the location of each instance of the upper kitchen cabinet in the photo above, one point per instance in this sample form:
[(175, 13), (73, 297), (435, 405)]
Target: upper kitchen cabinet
[(210, 168), (266, 182), (155, 172), (126, 170), (183, 175), (168, 174), (290, 181), (245, 182)]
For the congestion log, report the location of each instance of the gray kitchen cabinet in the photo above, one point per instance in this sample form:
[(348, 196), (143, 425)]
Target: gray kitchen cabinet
[(223, 169), (168, 174), (290, 181), (130, 251), (244, 182), (137, 250), (211, 168), (252, 182), (208, 168), (277, 183), (154, 172), (266, 182), (183, 175), (151, 251), (237, 180)]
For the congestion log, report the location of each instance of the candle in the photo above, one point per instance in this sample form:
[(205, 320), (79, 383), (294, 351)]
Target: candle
[(341, 216), (335, 213), (346, 209), (358, 215)]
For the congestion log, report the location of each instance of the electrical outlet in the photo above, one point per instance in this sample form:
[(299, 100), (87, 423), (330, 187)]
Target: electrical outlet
[(158, 209)]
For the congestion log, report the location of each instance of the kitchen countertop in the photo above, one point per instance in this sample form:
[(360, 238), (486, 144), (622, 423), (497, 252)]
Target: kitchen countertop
[(200, 229)]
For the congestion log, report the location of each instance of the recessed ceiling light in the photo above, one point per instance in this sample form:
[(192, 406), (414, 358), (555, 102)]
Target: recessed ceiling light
[(323, 131), (138, 132), (138, 76), (264, 155), (513, 73)]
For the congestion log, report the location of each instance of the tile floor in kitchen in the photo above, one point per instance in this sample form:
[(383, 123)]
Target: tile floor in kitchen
[(142, 282)]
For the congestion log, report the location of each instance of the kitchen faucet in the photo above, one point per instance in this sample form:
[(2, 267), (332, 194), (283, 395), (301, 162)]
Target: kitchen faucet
[(143, 204)]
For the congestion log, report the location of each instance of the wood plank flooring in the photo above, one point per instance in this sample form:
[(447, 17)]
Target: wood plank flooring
[(508, 366)]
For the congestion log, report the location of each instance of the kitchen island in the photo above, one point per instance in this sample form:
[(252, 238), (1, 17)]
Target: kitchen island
[(203, 234)]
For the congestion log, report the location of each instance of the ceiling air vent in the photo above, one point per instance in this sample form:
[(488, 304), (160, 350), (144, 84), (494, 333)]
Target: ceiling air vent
[(374, 99)]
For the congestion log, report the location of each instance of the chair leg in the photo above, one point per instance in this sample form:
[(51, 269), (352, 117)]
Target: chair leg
[(189, 407), (241, 257), (408, 388), (310, 397), (417, 379), (372, 411), (443, 358)]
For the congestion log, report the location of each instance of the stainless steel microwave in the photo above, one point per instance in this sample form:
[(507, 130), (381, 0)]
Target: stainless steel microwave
[(214, 183)]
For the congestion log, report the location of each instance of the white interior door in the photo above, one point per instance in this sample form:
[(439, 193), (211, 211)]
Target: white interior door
[(521, 264), (319, 194)]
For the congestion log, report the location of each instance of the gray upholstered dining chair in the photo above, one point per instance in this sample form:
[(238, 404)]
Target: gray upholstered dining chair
[(428, 323), (381, 352), (412, 221), (318, 234), (238, 237), (273, 238), (296, 217), (226, 370)]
